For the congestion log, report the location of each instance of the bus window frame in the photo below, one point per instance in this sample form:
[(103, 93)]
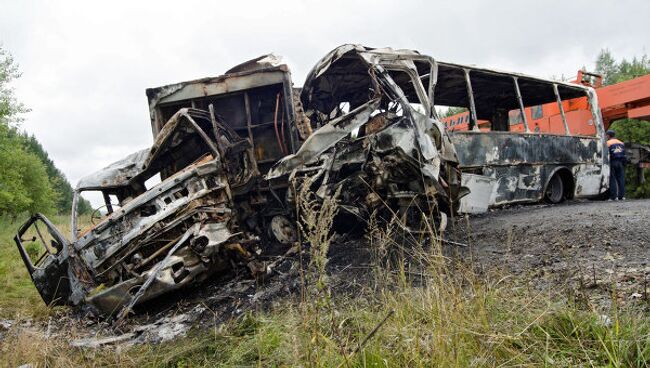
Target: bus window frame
[(425, 95), (561, 107), (473, 123), (522, 108)]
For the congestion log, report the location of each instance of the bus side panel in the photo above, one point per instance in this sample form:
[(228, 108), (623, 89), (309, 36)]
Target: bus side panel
[(591, 180), (523, 163), (521, 183)]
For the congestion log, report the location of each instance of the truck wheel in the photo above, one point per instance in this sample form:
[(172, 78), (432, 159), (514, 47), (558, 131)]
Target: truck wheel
[(554, 190)]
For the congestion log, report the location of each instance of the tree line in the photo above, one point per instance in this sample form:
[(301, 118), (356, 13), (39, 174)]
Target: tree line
[(29, 180)]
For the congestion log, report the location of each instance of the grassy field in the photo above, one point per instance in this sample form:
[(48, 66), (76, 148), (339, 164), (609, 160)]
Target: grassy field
[(18, 297), (457, 318)]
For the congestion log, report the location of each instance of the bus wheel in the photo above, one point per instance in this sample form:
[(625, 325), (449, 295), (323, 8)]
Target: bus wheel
[(554, 190)]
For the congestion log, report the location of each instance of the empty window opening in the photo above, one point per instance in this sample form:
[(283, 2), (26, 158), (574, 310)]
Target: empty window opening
[(152, 181), (505, 102), (183, 192)]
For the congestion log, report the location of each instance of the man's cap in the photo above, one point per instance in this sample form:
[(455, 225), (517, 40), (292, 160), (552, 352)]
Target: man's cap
[(611, 133)]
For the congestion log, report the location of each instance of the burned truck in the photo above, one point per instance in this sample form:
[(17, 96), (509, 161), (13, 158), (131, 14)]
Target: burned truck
[(230, 154)]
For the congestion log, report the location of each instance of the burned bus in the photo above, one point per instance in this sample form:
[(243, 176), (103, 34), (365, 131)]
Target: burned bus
[(504, 157), (231, 154)]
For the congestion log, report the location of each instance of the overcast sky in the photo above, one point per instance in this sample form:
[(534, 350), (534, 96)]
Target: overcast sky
[(86, 64)]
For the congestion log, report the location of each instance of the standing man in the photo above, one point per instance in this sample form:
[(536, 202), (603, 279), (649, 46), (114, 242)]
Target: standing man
[(617, 167)]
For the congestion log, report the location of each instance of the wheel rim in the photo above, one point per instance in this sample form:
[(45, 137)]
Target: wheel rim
[(555, 190)]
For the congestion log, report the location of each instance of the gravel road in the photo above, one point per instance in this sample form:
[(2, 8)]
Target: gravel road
[(593, 249)]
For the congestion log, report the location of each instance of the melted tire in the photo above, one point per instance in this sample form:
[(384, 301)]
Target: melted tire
[(554, 190)]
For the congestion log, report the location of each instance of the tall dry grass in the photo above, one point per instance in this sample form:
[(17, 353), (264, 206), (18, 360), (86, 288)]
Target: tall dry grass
[(419, 308)]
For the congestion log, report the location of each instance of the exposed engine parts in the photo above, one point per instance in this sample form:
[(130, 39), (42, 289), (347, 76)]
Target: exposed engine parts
[(231, 155)]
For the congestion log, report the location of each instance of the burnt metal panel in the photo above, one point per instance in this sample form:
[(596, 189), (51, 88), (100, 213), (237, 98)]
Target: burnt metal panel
[(523, 163), (477, 149)]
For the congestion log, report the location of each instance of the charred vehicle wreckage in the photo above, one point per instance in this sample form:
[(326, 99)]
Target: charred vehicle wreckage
[(231, 153)]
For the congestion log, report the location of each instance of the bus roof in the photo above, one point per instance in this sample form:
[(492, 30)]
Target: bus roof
[(496, 88)]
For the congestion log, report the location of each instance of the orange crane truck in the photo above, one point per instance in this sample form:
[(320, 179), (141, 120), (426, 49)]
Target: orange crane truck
[(625, 100)]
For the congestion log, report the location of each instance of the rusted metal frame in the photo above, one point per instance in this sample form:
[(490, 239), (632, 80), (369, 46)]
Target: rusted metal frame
[(275, 125), (128, 253), (247, 107), (559, 104), (23, 254), (54, 232), (107, 201), (215, 128), (284, 139), (592, 99), (291, 114), (204, 136), (127, 308), (145, 197), (324, 138), (433, 80), (42, 256), (148, 240), (275, 195), (73, 216), (154, 255), (394, 88), (38, 231), (329, 167), (521, 104), (473, 121), (391, 89), (148, 196), (251, 150), (423, 95), (157, 121), (21, 248), (212, 86)]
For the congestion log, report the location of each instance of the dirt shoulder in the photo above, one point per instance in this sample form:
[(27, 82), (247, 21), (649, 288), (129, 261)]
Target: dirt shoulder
[(588, 249)]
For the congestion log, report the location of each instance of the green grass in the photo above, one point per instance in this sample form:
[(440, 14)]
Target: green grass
[(18, 296), (491, 327), (457, 318)]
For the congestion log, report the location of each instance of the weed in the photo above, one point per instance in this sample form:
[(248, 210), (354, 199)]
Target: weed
[(421, 309)]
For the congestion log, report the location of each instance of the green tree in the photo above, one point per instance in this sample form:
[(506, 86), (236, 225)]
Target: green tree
[(619, 71), (627, 130), (24, 183), (10, 109), (606, 66), (450, 111)]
